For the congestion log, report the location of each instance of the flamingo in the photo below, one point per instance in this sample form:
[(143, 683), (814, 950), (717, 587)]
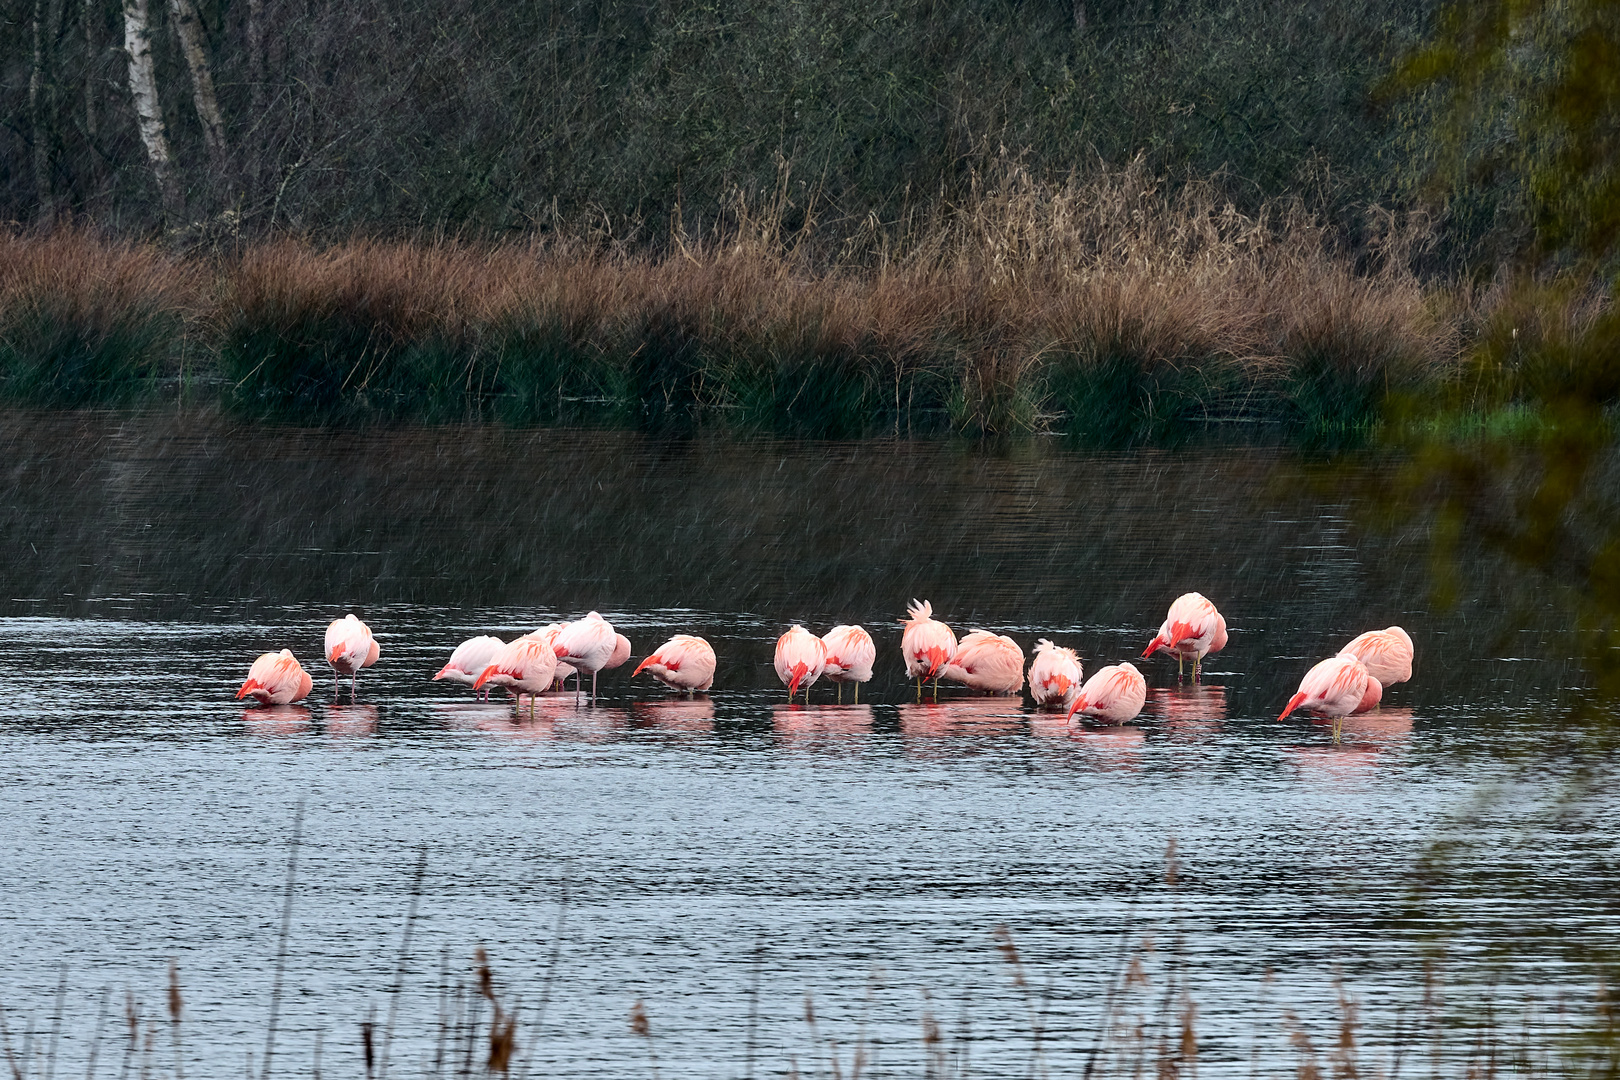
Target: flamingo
[(801, 657), (850, 653), (990, 662), (549, 633), (1113, 695), (524, 666), (1192, 630), (469, 660), (349, 647), (586, 645), (928, 645), (1337, 687), (621, 652), (683, 662), (1054, 677), (276, 679), (1386, 654)]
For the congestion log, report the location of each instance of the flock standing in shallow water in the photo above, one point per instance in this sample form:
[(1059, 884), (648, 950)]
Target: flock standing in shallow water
[(1353, 681)]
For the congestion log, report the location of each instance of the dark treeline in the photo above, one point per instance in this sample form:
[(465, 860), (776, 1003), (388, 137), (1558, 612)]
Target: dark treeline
[(480, 119)]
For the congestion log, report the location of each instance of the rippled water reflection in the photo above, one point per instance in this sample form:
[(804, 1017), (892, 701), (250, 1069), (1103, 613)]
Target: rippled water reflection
[(691, 849)]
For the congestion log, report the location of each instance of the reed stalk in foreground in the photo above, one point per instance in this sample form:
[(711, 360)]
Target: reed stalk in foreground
[(1113, 308)]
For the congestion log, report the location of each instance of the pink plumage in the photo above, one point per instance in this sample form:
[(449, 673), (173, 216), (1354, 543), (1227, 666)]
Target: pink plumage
[(990, 662), (928, 645), (1055, 676), (1387, 654), (684, 662), (1113, 695), (350, 647), (586, 645), (524, 666), (1191, 631), (801, 657), (276, 679), (1338, 686)]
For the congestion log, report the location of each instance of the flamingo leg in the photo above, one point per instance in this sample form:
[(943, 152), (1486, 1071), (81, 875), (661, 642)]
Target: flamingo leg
[(857, 693), (839, 687), (593, 689), (531, 706)]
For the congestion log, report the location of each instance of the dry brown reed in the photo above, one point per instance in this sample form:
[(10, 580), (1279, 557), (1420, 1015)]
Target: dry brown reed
[(1114, 305)]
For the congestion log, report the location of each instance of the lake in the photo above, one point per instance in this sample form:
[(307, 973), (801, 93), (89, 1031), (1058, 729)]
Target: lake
[(784, 888)]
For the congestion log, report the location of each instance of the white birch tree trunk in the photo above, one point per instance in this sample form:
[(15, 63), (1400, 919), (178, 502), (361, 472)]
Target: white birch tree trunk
[(148, 109), (188, 28)]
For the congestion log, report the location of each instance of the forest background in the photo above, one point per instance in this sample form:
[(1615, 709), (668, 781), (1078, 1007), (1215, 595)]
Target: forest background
[(1123, 220)]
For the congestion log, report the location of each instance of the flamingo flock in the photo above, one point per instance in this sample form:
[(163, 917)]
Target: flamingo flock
[(1352, 681)]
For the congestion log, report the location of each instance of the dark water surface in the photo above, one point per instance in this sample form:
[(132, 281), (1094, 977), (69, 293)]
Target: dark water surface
[(721, 858)]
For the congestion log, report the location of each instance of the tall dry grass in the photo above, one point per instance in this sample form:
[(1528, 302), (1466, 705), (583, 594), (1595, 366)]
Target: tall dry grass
[(1113, 307)]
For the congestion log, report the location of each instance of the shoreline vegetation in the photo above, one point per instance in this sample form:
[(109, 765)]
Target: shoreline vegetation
[(1114, 309)]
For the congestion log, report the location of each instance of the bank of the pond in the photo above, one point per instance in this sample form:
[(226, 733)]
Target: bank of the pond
[(1109, 316)]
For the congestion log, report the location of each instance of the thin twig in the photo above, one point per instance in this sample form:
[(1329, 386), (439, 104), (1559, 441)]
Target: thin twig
[(404, 958), (281, 947)]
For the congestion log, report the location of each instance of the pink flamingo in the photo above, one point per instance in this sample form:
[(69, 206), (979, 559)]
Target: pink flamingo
[(276, 679), (683, 662), (350, 647), (1192, 630), (1113, 695), (1337, 687), (801, 657), (1386, 654), (928, 645), (1054, 677), (990, 662), (549, 633), (469, 660), (850, 654), (621, 652), (586, 645), (524, 666)]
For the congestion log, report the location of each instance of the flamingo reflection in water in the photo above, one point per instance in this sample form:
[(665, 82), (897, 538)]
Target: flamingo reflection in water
[(277, 721), (969, 717), (826, 728), (688, 715), (351, 721), (1115, 747), (1358, 745), (1191, 713)]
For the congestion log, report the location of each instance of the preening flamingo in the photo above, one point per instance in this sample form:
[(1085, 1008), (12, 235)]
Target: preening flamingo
[(990, 662), (549, 633), (524, 666), (683, 662), (1387, 654), (928, 645), (276, 679), (1113, 695), (586, 645), (1337, 687), (350, 647), (621, 652), (1054, 677), (1192, 630), (850, 654), (801, 657), (470, 659)]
